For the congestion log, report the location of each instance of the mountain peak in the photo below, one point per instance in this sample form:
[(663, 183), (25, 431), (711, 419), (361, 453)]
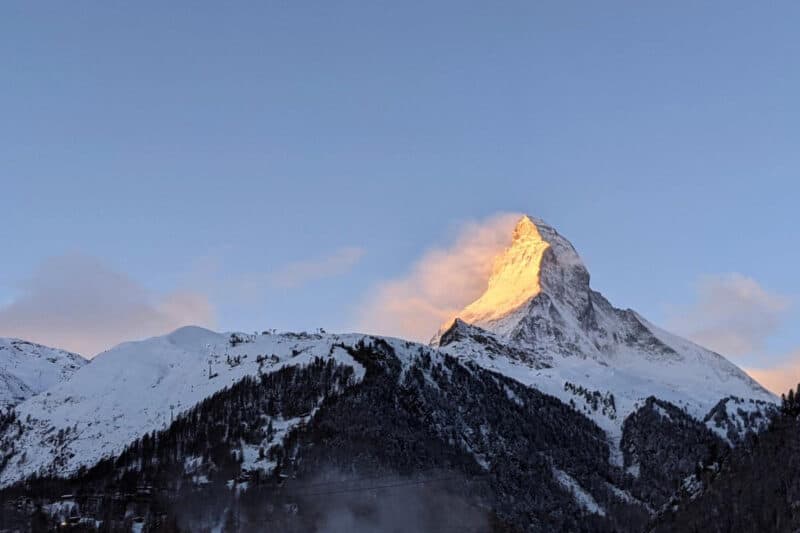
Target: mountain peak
[(27, 368), (515, 275), (539, 300), (538, 260), (525, 229)]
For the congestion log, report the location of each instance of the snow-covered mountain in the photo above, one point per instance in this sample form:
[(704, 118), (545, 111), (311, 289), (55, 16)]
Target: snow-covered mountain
[(539, 381), (572, 343), (138, 387), (539, 322), (283, 414), (27, 369)]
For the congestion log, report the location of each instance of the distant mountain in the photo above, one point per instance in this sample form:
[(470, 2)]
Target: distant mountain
[(541, 408), (138, 387), (27, 369)]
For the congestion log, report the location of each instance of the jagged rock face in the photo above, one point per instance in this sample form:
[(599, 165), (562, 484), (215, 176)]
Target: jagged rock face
[(567, 340), (515, 278), (539, 299), (538, 267), (563, 274), (470, 336), (539, 296)]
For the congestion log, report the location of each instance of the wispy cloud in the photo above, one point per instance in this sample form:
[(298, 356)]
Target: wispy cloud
[(78, 303), (733, 315), (440, 283), (251, 288), (300, 273)]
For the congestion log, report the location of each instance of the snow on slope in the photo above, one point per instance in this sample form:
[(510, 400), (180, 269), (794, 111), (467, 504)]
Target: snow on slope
[(580, 348), (559, 336), (583, 498), (138, 386), (588, 384), (27, 369), (733, 417)]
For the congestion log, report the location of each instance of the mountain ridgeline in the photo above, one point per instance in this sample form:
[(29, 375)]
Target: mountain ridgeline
[(27, 369), (445, 431), (540, 408), (755, 489)]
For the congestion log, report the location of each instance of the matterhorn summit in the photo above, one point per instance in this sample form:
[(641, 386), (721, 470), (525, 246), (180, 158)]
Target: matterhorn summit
[(538, 298), (539, 263), (556, 333)]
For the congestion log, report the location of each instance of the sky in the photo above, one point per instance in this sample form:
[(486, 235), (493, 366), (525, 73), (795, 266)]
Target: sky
[(284, 164)]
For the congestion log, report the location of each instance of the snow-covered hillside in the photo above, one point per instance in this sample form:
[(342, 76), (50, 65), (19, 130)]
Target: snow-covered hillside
[(370, 409), (575, 345), (538, 323), (27, 369), (138, 387)]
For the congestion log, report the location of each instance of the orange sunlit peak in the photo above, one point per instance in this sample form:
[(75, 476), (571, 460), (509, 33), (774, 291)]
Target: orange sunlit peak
[(525, 228), (515, 276)]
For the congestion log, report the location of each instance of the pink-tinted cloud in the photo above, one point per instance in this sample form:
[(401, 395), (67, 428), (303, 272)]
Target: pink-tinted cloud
[(781, 377), (733, 315), (441, 282), (252, 288), (78, 303)]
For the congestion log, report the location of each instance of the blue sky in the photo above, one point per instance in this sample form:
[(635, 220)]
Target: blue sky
[(206, 150)]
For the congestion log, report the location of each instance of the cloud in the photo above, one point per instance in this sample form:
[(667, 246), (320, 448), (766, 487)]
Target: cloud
[(440, 283), (78, 303), (779, 378), (251, 288), (734, 315), (299, 273)]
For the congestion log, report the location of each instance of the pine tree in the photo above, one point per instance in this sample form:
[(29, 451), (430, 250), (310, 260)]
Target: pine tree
[(790, 403)]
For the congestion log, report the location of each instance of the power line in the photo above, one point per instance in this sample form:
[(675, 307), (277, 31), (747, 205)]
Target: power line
[(386, 486)]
